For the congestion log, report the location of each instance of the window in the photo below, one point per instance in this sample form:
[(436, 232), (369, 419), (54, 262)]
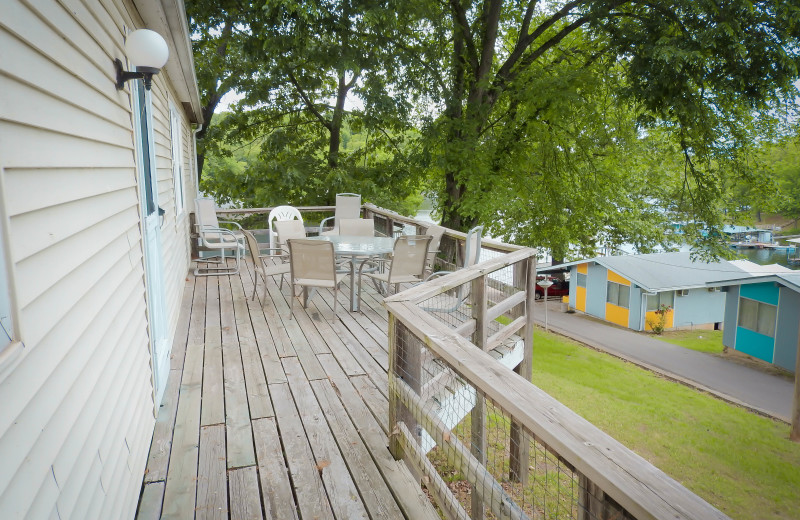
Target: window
[(663, 298), (177, 157), (9, 328), (757, 316), (581, 280), (618, 294)]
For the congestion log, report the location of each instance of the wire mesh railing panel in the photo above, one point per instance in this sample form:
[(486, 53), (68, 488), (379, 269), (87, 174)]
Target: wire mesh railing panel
[(477, 461)]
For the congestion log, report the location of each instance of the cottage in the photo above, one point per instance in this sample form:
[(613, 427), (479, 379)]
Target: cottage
[(761, 314), (96, 185), (628, 290)]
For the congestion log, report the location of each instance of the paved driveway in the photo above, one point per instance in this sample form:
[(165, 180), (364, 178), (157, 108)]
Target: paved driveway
[(732, 381)]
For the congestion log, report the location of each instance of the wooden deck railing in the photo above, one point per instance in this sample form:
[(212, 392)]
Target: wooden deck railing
[(465, 416), (458, 414)]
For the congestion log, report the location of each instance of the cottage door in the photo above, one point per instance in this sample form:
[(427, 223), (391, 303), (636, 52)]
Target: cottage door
[(151, 230)]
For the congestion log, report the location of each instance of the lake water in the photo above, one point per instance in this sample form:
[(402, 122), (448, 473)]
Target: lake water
[(768, 256)]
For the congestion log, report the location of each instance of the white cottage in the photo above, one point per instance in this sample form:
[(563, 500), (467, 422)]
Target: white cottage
[(91, 275)]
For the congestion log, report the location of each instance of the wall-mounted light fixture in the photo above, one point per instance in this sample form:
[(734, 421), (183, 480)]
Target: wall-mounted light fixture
[(147, 52)]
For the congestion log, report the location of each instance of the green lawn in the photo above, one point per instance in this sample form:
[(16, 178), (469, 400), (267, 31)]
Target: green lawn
[(709, 341), (740, 462)]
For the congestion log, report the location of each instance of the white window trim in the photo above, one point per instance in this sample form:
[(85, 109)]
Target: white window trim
[(178, 185), (11, 351)]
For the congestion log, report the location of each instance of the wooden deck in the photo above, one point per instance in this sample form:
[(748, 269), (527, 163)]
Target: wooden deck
[(270, 417)]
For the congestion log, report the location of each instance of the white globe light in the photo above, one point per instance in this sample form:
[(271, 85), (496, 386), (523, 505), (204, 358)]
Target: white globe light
[(146, 48)]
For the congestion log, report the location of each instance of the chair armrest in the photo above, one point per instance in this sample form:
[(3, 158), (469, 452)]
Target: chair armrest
[(230, 222), (322, 224), (437, 273), (221, 231), (373, 261)]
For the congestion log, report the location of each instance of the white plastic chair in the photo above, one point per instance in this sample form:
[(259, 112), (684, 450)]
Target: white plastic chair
[(281, 213), (357, 227), (313, 264), (407, 264), (348, 205), (213, 237)]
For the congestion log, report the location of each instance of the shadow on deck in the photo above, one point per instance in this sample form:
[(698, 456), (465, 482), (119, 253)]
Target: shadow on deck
[(270, 417)]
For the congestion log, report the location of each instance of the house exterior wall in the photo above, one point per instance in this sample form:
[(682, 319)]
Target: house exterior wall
[(614, 313), (77, 409), (748, 341), (596, 291), (731, 313), (786, 332), (699, 308), (636, 307)]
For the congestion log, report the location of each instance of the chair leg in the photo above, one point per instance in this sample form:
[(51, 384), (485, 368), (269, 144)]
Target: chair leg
[(336, 298), (291, 303)]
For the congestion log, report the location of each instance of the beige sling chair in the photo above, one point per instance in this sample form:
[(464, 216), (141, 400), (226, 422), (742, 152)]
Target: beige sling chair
[(313, 264), (357, 227), (348, 205), (261, 266), (407, 264)]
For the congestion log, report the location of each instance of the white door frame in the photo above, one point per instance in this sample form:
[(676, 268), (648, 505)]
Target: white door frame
[(151, 239)]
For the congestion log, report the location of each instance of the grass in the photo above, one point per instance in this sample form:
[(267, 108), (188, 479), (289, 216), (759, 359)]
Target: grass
[(708, 341), (740, 462)]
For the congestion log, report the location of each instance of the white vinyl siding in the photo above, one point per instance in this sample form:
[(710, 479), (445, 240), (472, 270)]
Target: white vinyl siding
[(77, 411)]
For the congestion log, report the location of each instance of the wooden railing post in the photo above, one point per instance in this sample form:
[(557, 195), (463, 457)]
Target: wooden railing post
[(592, 503), (520, 442), (405, 363), (478, 415)]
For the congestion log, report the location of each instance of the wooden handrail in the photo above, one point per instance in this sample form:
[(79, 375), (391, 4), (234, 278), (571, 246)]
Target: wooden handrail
[(635, 484)]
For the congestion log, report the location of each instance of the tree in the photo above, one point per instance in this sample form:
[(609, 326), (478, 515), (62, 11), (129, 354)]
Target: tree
[(219, 36), (783, 160), (323, 67), (543, 101)]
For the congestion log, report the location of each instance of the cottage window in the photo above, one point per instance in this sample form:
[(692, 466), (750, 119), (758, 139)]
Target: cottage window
[(177, 158), (654, 301), (757, 316), (618, 294), (581, 280)]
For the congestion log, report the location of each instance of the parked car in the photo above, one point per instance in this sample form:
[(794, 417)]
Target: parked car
[(559, 288)]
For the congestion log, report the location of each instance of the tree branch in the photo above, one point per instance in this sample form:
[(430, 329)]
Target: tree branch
[(460, 17), (311, 108)]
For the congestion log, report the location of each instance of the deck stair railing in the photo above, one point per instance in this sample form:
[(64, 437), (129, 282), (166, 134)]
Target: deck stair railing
[(486, 442)]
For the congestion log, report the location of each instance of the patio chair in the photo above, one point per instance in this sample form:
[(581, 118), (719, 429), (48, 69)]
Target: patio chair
[(357, 227), (281, 213), (436, 233), (348, 205), (287, 230), (407, 264), (262, 268), (313, 264), (213, 237), (472, 254)]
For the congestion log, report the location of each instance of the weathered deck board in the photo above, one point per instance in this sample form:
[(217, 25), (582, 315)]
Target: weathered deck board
[(213, 410), (276, 489), (245, 499), (267, 416), (212, 492)]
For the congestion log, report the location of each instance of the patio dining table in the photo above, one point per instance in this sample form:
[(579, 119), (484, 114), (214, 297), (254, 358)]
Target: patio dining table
[(357, 250)]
